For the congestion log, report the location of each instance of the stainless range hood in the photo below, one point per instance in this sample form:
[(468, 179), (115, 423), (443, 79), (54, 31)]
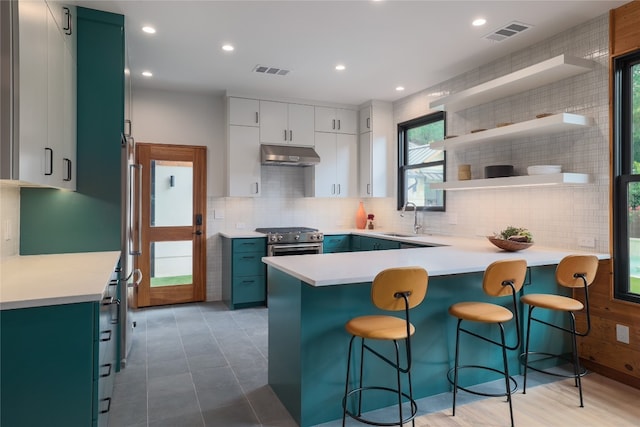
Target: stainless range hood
[(288, 155)]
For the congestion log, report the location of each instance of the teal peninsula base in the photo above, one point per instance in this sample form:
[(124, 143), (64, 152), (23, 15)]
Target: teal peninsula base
[(308, 343)]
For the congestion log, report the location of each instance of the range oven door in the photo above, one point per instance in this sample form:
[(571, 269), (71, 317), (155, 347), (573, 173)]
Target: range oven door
[(294, 249)]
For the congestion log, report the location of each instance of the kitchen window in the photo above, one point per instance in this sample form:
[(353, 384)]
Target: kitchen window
[(626, 192), (419, 165)]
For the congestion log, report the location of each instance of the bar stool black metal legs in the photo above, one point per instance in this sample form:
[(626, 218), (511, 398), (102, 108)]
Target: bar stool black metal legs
[(573, 271), (397, 289), (501, 278)]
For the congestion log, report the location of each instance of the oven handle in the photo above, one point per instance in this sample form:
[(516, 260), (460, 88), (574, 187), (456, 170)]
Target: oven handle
[(300, 246)]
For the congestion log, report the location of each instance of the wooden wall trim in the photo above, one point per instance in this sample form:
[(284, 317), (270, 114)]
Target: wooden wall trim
[(624, 29)]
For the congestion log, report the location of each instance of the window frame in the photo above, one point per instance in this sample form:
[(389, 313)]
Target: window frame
[(403, 155), (623, 174)]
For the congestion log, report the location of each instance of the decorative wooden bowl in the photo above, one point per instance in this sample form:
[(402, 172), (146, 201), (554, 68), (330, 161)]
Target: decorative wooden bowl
[(509, 245)]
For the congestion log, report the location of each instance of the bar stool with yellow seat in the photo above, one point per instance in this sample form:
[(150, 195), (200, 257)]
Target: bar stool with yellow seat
[(573, 271), (501, 278), (394, 289)]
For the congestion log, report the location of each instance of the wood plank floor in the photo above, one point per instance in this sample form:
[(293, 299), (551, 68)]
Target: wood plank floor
[(606, 403)]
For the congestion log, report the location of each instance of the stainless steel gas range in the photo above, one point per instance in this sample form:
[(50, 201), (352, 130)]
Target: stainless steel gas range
[(292, 240)]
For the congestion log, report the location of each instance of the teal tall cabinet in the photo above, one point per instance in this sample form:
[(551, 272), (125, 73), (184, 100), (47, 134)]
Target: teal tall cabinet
[(88, 220)]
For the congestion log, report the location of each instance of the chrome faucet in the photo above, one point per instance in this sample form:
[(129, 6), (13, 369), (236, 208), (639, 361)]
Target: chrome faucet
[(416, 226)]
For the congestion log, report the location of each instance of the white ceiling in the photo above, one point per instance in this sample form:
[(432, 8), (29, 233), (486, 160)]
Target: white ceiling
[(383, 44)]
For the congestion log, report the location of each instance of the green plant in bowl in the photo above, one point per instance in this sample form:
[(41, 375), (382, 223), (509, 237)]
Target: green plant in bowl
[(515, 234)]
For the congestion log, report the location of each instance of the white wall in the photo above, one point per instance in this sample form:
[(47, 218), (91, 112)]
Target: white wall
[(183, 118)]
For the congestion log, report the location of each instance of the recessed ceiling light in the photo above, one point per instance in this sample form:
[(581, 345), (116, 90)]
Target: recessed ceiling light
[(340, 67), (147, 73), (479, 22), (228, 48), (400, 88), (149, 30)]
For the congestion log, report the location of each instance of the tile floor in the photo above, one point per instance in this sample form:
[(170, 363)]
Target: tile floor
[(197, 365), (204, 365)]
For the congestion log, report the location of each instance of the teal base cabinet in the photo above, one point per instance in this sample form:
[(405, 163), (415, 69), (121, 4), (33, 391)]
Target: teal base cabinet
[(308, 343), (363, 243), (58, 364), (244, 281), (336, 243)]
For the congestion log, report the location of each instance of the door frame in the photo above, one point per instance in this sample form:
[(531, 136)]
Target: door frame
[(145, 295)]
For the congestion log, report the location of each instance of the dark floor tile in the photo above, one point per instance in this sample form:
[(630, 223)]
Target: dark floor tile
[(165, 353), (161, 386), (204, 361), (132, 374), (217, 387), (173, 404), (167, 368), (130, 391), (193, 419), (268, 408), (239, 414), (127, 413)]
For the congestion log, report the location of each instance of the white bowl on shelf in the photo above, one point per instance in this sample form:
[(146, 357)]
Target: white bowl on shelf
[(544, 169)]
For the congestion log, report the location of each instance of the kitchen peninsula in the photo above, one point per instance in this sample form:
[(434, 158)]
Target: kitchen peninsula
[(311, 297)]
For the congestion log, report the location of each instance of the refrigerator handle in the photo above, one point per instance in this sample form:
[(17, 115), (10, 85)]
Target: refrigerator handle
[(136, 249)]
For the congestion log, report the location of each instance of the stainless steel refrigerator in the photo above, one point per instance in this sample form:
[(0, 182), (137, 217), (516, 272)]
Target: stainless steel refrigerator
[(130, 276)]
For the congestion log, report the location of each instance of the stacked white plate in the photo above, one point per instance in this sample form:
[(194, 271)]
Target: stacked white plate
[(544, 169)]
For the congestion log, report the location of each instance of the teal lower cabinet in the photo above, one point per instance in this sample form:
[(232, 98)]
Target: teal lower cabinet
[(58, 364), (243, 273), (363, 243), (308, 343), (336, 243)]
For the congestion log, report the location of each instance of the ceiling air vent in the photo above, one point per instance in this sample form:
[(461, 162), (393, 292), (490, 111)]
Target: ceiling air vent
[(507, 31), (263, 69)]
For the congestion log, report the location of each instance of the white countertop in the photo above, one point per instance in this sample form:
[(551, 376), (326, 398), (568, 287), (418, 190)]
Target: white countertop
[(40, 280), (460, 255), (241, 234)]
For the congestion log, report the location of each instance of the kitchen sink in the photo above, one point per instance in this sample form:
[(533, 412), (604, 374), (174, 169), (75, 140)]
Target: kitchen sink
[(399, 235)]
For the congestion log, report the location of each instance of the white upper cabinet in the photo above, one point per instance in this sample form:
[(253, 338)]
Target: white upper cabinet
[(243, 112), (336, 174), (338, 120), (376, 138), (283, 123), (46, 141), (243, 162)]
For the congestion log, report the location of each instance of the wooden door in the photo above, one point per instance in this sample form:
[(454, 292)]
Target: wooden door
[(174, 195)]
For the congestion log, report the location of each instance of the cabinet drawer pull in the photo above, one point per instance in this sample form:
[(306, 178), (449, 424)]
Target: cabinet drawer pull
[(257, 117), (127, 123), (290, 135), (48, 164), (285, 134), (108, 400), (113, 282), (334, 124), (108, 337), (368, 188), (368, 123), (248, 257), (248, 281), (68, 169), (108, 366), (67, 13)]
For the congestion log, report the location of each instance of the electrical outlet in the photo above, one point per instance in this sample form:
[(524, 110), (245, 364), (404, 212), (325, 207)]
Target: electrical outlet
[(622, 333), (587, 242), (240, 225), (218, 214)]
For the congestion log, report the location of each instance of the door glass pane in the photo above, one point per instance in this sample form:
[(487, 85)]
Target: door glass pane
[(634, 236), (171, 193), (171, 263), (418, 188)]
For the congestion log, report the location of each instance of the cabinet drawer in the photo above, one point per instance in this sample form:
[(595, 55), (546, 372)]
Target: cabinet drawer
[(249, 289), (333, 244), (250, 245), (248, 264)]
